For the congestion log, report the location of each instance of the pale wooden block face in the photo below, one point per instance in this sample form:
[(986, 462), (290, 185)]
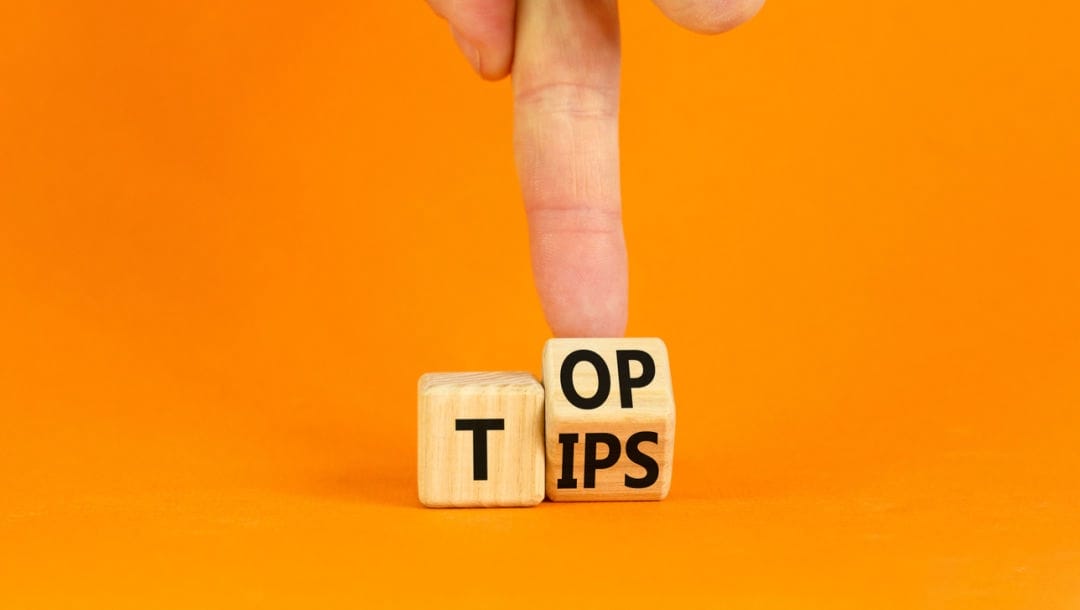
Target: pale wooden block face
[(610, 419), (481, 439)]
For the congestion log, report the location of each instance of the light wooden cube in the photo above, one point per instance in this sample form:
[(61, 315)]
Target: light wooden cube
[(610, 419), (481, 439)]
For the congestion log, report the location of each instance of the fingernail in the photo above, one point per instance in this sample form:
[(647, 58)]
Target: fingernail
[(471, 52)]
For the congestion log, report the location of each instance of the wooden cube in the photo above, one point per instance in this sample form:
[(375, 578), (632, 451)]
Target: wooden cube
[(610, 419), (481, 439)]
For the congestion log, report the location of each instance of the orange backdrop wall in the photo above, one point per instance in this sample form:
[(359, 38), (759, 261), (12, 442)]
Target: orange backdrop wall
[(232, 235)]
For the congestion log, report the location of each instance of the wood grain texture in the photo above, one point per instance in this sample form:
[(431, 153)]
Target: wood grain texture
[(514, 462), (651, 410)]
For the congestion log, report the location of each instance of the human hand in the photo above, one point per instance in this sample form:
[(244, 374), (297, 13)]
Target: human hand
[(564, 55)]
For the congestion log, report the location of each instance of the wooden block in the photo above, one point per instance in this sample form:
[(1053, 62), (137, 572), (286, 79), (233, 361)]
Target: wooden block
[(610, 419), (481, 439)]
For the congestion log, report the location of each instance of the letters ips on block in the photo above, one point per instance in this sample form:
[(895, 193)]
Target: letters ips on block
[(609, 419)]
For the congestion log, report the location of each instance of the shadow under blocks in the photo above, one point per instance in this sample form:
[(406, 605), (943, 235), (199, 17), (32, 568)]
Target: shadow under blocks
[(601, 427)]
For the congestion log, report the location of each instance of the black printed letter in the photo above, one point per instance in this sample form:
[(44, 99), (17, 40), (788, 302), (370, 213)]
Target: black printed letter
[(567, 480), (479, 429), (591, 463), (603, 379), (652, 469), (626, 382)]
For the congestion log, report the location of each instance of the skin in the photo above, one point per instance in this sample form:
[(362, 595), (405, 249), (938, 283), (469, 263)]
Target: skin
[(564, 57)]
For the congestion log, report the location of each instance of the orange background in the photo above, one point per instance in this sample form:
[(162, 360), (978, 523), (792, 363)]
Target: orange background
[(232, 236)]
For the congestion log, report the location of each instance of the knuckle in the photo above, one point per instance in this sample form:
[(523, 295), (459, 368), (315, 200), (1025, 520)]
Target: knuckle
[(572, 99), (574, 217)]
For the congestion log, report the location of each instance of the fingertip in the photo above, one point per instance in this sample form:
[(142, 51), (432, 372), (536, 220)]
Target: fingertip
[(603, 316), (578, 328), (709, 16), (495, 64), (484, 31), (489, 64), (582, 283)]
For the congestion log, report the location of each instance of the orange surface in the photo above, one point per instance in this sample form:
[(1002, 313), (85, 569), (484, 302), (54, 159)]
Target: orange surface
[(232, 235)]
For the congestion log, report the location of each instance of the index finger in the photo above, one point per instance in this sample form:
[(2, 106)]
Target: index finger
[(566, 143)]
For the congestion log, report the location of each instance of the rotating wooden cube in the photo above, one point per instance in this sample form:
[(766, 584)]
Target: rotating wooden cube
[(609, 419)]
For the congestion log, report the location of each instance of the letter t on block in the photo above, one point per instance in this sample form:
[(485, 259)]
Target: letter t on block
[(480, 439)]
